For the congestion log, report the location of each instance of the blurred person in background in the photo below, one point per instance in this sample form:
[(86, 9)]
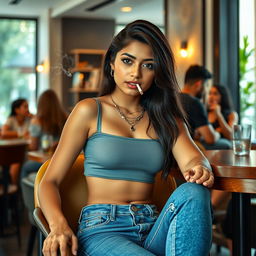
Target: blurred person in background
[(220, 110), (18, 121), (16, 126), (191, 97), (222, 117), (45, 128)]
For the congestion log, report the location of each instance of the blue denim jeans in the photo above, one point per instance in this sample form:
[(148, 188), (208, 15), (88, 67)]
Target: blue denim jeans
[(184, 226)]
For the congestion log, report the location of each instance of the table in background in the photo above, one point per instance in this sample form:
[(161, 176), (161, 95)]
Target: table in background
[(38, 156), (13, 142), (236, 174)]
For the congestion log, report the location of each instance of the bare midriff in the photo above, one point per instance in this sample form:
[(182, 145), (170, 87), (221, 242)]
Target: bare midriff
[(107, 191)]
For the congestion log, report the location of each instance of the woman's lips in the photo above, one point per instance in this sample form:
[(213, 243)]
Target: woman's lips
[(132, 85)]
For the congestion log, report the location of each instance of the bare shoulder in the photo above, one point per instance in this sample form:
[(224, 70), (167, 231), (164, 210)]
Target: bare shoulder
[(86, 109)]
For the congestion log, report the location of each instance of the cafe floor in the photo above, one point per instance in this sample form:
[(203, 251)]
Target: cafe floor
[(9, 245)]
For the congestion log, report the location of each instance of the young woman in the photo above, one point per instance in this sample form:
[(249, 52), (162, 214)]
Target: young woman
[(18, 122), (133, 130), (223, 117), (47, 123), (220, 111), (16, 126)]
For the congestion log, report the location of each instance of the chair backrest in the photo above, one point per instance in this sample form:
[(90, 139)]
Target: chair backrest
[(13, 153), (73, 190)]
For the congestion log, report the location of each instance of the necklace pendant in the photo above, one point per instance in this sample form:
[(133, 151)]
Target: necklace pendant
[(132, 128)]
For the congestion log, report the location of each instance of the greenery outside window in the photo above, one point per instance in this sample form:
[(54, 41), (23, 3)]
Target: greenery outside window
[(247, 64), (17, 63)]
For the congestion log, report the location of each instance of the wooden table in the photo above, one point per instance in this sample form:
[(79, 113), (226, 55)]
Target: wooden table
[(13, 142), (38, 156), (236, 174)]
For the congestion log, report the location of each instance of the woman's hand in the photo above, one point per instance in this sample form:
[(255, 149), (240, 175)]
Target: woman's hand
[(215, 108), (200, 175), (60, 238)]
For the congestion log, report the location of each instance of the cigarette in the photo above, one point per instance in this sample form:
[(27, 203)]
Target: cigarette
[(139, 89)]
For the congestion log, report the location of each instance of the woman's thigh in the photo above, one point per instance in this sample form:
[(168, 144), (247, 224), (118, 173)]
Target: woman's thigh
[(184, 224), (111, 244)]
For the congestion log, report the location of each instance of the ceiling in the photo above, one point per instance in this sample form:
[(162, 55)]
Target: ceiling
[(151, 10)]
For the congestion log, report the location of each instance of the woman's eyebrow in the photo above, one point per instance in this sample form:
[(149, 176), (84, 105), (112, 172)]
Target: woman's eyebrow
[(133, 57)]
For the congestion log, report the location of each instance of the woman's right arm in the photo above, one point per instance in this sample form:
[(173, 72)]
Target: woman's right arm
[(72, 140), (7, 132)]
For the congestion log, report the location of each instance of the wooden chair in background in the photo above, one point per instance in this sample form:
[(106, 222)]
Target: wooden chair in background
[(73, 192), (10, 153)]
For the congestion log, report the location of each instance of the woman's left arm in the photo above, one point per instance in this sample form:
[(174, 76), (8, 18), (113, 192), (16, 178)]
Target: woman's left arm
[(226, 127), (191, 161)]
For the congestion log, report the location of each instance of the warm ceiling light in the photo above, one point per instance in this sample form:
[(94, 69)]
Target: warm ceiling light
[(126, 9)]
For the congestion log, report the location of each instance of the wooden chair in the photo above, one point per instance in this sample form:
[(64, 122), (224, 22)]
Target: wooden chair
[(73, 191), (9, 193)]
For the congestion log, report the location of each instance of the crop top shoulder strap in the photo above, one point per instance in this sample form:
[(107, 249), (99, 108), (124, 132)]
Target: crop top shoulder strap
[(99, 114)]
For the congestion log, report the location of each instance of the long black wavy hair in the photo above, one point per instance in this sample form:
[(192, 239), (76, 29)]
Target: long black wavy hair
[(16, 104), (161, 100), (226, 103)]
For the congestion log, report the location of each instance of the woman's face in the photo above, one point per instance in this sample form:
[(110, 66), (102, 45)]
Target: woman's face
[(134, 64), (214, 96), (22, 109)]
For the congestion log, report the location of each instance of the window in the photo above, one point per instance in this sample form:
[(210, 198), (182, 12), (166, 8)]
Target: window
[(17, 63), (247, 63)]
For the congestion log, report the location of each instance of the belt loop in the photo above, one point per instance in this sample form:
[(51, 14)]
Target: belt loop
[(113, 212), (151, 211)]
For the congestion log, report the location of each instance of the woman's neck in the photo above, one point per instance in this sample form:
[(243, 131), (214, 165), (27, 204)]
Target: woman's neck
[(127, 102)]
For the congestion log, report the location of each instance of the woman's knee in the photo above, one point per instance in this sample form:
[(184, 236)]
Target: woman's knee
[(192, 192)]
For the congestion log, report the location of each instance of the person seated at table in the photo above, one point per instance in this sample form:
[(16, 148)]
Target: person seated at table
[(18, 121), (48, 121), (220, 110), (128, 134), (16, 126), (191, 97), (222, 117)]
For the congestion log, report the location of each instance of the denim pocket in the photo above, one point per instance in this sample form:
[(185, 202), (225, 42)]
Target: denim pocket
[(93, 221)]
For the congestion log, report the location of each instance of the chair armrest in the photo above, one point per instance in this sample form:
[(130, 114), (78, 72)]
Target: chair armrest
[(41, 221)]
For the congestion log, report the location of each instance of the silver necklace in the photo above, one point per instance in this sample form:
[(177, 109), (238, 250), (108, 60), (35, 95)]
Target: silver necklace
[(132, 121)]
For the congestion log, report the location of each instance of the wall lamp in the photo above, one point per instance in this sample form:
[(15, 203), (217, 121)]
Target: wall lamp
[(40, 67), (184, 49)]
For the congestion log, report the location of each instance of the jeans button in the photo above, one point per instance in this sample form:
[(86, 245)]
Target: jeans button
[(134, 208)]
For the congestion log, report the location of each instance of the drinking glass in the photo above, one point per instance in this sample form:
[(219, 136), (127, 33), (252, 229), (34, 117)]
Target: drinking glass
[(46, 143), (242, 139)]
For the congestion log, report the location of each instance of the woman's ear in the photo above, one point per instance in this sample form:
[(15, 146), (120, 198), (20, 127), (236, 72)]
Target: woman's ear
[(112, 66)]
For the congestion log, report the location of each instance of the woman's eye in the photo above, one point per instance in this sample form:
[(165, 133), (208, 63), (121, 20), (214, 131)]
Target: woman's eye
[(148, 65), (126, 61)]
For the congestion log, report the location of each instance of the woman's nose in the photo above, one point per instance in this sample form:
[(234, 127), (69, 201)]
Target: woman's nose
[(135, 72)]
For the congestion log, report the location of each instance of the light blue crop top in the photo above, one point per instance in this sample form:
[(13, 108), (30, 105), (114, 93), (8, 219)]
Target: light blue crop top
[(121, 158)]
